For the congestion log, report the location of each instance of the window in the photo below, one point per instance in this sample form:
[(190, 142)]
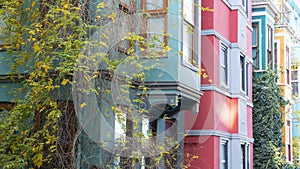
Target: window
[(245, 5), (3, 42), (126, 7), (243, 73), (255, 43), (223, 64), (288, 130), (276, 56), (189, 23), (287, 64), (155, 24), (295, 86), (294, 74), (244, 68), (245, 156), (247, 78), (254, 35), (288, 140), (224, 154), (270, 46)]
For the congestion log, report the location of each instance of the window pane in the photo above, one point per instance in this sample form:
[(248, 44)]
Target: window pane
[(155, 27), (247, 79), (294, 75), (223, 76), (188, 11), (254, 35), (154, 4), (223, 157), (243, 78), (223, 61), (187, 43), (2, 25), (295, 88)]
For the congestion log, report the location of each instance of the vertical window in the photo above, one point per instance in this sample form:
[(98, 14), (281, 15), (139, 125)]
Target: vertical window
[(223, 65), (243, 73), (245, 156), (294, 78), (155, 24), (245, 4), (244, 70), (294, 74), (255, 43), (295, 86), (126, 7), (3, 41), (247, 78), (189, 24), (288, 140), (224, 154), (287, 64), (270, 46), (276, 56), (288, 130)]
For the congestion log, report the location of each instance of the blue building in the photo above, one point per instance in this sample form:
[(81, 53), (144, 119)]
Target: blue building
[(109, 123)]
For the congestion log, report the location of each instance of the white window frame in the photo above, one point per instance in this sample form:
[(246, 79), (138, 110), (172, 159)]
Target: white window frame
[(223, 47), (191, 60), (246, 163), (245, 74), (226, 143)]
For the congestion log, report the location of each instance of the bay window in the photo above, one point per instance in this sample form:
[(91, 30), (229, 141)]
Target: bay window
[(155, 26), (189, 32)]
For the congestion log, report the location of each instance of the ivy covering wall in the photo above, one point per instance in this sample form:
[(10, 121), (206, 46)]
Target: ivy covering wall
[(267, 122)]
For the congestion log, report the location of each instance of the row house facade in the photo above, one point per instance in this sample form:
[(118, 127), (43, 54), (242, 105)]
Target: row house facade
[(222, 134), (275, 34), (210, 116), (295, 57), (173, 88)]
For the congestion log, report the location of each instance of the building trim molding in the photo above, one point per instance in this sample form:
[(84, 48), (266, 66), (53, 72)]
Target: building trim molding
[(212, 32), (219, 134), (223, 92)]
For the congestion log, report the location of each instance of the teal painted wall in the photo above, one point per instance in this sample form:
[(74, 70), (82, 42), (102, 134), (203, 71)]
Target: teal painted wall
[(262, 23)]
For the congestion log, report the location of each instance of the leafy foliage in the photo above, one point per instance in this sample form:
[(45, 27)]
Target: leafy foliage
[(267, 121), (44, 40)]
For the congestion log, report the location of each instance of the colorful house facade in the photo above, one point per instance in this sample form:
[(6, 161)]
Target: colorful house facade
[(173, 88), (271, 48), (222, 134), (286, 40), (209, 118)]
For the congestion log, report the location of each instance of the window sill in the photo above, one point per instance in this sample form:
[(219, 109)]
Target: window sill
[(224, 86), (190, 66)]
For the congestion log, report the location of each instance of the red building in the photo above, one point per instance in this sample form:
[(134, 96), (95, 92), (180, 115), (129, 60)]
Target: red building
[(221, 137)]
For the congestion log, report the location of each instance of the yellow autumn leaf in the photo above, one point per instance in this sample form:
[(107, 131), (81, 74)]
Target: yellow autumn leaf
[(204, 76), (18, 46), (66, 6), (33, 4), (101, 5), (38, 159), (168, 48), (36, 47), (82, 105), (64, 82), (112, 16)]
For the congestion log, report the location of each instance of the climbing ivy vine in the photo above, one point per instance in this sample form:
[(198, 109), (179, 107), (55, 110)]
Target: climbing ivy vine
[(43, 39), (267, 121)]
